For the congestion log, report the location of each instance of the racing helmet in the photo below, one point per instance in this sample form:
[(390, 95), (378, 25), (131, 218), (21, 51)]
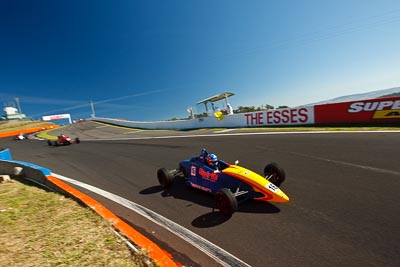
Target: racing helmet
[(212, 160)]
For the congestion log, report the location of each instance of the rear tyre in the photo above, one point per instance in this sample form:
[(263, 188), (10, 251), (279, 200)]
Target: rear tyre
[(52, 143), (274, 173), (226, 202), (77, 140), (165, 178)]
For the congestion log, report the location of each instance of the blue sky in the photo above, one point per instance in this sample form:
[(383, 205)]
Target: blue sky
[(150, 60)]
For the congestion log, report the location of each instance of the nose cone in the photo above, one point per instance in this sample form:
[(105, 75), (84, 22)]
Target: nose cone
[(280, 196), (285, 197)]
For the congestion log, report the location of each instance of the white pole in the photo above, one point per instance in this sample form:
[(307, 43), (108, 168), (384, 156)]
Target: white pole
[(93, 113), (19, 107)]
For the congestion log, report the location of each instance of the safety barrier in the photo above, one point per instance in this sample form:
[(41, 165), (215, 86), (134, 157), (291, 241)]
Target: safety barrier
[(373, 111), (290, 117), (27, 131)]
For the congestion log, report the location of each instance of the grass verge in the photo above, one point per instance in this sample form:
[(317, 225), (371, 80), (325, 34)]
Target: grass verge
[(42, 228)]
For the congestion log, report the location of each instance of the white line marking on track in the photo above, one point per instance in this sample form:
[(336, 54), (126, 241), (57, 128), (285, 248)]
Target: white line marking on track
[(369, 168), (225, 131), (239, 134), (103, 126), (218, 254), (138, 131), (350, 164)]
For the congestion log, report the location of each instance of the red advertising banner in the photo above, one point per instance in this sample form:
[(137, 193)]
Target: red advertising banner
[(361, 111)]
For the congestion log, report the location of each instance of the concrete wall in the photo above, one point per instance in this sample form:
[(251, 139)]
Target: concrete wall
[(38, 173), (294, 116), (372, 111)]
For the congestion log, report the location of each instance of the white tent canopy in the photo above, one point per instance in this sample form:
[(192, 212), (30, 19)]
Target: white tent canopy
[(215, 99)]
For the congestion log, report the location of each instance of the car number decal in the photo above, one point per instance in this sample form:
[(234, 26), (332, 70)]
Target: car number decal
[(272, 187), (193, 171)]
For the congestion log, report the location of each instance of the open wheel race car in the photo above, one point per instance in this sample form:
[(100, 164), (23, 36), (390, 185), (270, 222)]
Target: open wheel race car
[(63, 140), (20, 137), (229, 183)]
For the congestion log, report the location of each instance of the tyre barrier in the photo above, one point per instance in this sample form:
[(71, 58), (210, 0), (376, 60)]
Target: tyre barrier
[(43, 177)]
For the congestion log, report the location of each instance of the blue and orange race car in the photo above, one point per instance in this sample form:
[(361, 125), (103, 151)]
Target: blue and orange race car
[(229, 183)]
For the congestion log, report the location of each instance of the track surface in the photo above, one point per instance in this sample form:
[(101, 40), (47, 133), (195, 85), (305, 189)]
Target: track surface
[(344, 190)]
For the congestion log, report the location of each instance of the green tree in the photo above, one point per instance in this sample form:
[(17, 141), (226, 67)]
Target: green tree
[(269, 106), (281, 107)]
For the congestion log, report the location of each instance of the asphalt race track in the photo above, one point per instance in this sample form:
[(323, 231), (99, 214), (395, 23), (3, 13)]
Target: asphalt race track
[(344, 190)]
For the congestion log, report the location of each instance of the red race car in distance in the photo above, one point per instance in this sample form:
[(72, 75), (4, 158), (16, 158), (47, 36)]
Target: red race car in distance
[(63, 140)]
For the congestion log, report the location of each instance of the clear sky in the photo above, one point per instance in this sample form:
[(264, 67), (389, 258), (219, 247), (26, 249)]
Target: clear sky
[(150, 60)]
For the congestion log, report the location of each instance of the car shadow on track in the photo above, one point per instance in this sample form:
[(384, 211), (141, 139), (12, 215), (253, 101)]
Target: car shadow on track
[(215, 218), (180, 190)]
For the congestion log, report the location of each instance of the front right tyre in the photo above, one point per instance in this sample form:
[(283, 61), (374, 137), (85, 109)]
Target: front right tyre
[(274, 173)]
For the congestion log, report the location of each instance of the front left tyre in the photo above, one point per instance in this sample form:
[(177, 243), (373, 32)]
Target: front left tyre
[(225, 202)]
